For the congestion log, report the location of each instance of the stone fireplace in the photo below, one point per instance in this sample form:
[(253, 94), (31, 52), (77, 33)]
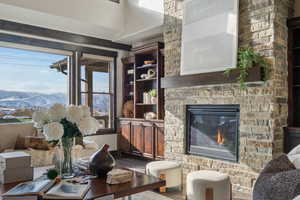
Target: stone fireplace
[(213, 131), (263, 107)]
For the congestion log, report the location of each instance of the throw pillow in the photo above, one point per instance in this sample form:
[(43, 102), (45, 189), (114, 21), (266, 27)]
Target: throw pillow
[(277, 180), (39, 143), (294, 151), (295, 159), (279, 164)]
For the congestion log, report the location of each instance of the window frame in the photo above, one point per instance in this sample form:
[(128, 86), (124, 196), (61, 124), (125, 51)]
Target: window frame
[(74, 65), (89, 79)]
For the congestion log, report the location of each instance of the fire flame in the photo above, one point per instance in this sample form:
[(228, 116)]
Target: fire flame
[(220, 137)]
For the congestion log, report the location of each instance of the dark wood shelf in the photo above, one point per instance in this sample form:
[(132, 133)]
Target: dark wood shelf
[(149, 79), (145, 104), (147, 66)]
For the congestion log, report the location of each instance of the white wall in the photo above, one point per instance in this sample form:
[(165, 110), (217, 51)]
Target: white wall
[(127, 22), (297, 8), (144, 19)]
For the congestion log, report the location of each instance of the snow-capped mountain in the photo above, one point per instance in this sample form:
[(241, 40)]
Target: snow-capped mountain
[(16, 100), (12, 99)]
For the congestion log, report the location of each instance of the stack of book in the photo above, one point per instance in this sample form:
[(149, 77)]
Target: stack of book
[(15, 167), (46, 189)]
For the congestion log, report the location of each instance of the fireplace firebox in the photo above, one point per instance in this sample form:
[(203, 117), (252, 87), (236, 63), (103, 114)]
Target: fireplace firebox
[(213, 131)]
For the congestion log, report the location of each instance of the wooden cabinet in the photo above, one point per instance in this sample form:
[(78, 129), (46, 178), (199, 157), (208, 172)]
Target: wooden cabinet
[(137, 138), (148, 139), (124, 139), (142, 138), (159, 140)]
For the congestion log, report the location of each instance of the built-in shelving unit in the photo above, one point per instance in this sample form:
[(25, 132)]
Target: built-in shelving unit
[(140, 136)]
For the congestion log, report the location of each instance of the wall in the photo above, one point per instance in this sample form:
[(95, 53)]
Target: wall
[(143, 19), (297, 8), (263, 106)]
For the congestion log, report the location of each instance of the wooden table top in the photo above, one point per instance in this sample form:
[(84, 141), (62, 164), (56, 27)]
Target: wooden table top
[(140, 183)]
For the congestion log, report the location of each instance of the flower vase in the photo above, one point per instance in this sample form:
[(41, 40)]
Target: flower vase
[(66, 167)]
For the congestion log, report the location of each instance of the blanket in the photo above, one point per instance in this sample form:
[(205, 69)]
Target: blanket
[(279, 180)]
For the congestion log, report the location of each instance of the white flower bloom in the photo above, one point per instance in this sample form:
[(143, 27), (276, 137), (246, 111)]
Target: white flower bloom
[(53, 131), (57, 112), (74, 114), (85, 111), (88, 125), (40, 118)]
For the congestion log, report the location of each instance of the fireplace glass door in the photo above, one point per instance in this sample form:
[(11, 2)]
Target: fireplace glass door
[(212, 131)]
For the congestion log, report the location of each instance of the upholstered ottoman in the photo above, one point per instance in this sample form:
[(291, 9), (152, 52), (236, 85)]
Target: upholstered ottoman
[(168, 170), (208, 185)]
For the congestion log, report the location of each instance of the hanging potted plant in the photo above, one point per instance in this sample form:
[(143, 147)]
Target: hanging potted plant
[(247, 59), (62, 125)]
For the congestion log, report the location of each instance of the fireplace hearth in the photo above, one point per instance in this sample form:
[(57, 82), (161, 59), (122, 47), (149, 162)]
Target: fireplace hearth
[(213, 131)]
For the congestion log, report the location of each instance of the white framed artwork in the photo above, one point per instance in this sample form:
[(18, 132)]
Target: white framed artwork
[(209, 36)]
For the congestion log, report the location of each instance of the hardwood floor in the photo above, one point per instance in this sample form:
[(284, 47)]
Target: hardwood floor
[(174, 194)]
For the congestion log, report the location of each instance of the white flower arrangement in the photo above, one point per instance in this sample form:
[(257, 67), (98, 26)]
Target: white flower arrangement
[(53, 131), (61, 121), (74, 114)]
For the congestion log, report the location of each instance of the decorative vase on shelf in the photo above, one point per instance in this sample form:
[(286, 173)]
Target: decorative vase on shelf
[(146, 98), (102, 162), (67, 165), (153, 100)]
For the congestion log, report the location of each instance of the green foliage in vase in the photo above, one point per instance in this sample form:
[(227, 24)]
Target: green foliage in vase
[(153, 93), (248, 58), (70, 129)]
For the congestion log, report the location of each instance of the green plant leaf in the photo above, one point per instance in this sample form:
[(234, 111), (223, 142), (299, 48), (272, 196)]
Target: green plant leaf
[(247, 58)]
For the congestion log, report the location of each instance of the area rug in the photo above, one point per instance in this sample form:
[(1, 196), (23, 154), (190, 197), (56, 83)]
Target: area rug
[(148, 195)]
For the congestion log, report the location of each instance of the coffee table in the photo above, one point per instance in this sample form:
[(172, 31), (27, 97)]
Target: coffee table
[(140, 183)]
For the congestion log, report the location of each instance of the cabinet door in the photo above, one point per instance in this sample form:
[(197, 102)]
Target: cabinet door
[(148, 140), (159, 141), (124, 141), (137, 137)]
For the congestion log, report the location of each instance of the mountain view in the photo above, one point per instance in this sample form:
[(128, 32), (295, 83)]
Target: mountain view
[(20, 105)]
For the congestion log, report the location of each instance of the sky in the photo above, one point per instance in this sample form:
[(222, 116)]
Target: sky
[(29, 71)]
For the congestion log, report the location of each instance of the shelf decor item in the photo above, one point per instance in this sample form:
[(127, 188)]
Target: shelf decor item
[(146, 98), (149, 62), (151, 73), (153, 94), (102, 162), (62, 124), (128, 109), (150, 115)]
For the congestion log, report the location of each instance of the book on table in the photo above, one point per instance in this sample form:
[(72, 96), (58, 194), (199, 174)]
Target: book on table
[(65, 190), (28, 190)]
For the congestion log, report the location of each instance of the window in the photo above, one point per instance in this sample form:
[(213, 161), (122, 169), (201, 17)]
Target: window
[(97, 90), (28, 82)]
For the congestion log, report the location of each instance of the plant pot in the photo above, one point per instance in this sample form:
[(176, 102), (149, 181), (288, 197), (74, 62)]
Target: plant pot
[(154, 100), (146, 98)]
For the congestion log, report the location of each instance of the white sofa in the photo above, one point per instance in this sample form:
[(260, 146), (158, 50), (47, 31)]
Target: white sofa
[(10, 132)]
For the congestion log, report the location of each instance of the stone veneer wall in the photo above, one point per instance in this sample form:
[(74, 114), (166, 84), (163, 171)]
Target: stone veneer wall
[(264, 107)]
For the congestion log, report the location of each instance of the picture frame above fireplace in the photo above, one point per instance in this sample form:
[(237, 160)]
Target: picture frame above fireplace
[(209, 36)]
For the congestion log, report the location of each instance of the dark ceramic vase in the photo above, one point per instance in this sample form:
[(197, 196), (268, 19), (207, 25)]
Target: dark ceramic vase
[(102, 162)]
